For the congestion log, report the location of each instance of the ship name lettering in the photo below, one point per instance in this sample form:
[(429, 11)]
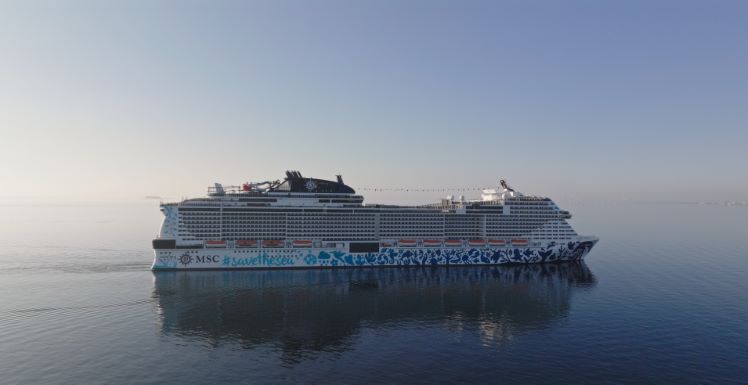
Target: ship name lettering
[(206, 258)]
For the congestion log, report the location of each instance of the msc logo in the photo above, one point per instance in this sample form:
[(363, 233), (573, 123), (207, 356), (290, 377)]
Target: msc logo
[(207, 258), (310, 185), (186, 259)]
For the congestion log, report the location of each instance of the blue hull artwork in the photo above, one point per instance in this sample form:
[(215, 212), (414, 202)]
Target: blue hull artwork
[(311, 258)]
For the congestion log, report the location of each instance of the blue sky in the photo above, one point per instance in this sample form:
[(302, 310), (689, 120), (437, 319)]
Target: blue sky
[(578, 99)]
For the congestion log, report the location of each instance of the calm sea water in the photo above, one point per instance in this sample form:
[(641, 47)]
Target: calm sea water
[(663, 298)]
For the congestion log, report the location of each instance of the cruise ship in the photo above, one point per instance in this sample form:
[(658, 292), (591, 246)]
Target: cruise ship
[(302, 222)]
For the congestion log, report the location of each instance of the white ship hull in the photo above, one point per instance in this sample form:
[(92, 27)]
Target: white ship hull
[(265, 258)]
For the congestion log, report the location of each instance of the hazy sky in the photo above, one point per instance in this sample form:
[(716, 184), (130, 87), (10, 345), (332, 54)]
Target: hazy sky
[(578, 99)]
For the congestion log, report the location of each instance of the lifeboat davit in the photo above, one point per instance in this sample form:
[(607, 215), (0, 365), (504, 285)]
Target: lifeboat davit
[(215, 243), (432, 242), (496, 242), (453, 243), (272, 243), (245, 243), (476, 242), (302, 243), (406, 242), (519, 242)]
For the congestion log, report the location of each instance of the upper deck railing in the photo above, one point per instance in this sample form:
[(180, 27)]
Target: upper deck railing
[(222, 190)]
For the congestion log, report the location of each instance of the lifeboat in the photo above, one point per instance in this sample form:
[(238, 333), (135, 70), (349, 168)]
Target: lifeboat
[(432, 242), (215, 243), (519, 242), (386, 244), (302, 243), (406, 242), (272, 243), (245, 243), (477, 242), (496, 242), (453, 243)]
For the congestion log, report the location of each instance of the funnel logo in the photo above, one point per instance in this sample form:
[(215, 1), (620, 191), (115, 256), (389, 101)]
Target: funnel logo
[(310, 185)]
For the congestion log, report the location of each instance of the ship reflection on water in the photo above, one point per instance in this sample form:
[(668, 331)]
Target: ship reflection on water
[(306, 311)]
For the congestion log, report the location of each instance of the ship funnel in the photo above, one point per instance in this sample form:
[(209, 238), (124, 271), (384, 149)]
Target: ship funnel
[(219, 189)]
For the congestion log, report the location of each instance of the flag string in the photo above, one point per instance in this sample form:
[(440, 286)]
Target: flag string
[(408, 189)]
